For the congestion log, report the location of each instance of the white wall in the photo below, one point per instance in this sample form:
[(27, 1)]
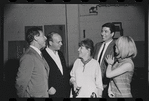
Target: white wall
[(132, 18), (17, 16), (75, 17), (73, 32), (20, 15)]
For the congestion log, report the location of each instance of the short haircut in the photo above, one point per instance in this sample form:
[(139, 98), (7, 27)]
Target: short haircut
[(50, 37), (126, 47), (88, 43), (34, 31), (111, 26)]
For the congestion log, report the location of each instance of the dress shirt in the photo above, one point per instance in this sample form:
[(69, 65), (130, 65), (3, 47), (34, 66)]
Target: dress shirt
[(106, 45), (56, 58)]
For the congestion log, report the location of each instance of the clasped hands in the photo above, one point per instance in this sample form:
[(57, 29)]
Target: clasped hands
[(75, 87)]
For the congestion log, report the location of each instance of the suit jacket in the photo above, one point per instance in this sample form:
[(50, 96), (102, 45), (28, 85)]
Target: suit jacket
[(32, 76), (56, 79), (109, 51)]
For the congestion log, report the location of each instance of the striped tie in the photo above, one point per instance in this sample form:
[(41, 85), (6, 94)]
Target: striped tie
[(101, 53)]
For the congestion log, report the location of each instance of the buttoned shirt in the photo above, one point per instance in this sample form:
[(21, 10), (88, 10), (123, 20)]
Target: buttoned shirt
[(56, 58), (106, 45)]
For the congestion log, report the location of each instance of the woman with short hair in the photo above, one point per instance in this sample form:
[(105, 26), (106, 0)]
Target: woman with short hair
[(86, 74), (121, 71)]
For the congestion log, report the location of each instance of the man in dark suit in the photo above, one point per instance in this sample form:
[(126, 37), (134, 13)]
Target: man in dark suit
[(104, 48), (32, 76), (58, 75)]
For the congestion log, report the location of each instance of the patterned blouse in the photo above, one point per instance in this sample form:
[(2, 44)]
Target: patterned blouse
[(120, 85)]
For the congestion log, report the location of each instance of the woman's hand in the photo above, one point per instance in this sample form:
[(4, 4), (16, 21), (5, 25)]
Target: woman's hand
[(75, 86), (74, 83), (99, 93), (110, 59), (110, 94)]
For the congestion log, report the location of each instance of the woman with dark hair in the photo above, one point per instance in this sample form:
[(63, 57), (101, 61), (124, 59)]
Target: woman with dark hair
[(86, 74)]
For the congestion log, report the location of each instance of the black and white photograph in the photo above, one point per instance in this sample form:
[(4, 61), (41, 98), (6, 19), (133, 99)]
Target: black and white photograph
[(75, 50)]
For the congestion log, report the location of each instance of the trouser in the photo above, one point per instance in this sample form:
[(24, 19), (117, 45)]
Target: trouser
[(105, 91)]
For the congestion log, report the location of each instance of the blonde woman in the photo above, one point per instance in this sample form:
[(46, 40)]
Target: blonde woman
[(121, 71)]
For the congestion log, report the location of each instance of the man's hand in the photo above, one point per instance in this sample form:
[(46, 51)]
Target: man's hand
[(52, 91)]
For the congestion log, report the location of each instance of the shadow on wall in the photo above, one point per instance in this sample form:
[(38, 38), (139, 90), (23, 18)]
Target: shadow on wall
[(10, 71), (139, 84)]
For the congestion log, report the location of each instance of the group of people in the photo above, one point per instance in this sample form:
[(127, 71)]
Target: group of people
[(42, 71), (100, 71)]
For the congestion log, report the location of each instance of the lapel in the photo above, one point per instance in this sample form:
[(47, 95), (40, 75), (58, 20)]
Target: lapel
[(62, 61), (110, 46), (51, 62), (40, 58), (107, 51), (97, 50)]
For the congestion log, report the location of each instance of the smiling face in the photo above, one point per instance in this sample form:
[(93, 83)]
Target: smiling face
[(106, 34), (83, 51)]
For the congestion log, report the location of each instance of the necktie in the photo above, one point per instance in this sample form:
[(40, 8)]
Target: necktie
[(101, 53)]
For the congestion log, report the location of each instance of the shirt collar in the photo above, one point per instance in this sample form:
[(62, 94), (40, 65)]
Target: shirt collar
[(107, 43), (50, 50), (36, 49)]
